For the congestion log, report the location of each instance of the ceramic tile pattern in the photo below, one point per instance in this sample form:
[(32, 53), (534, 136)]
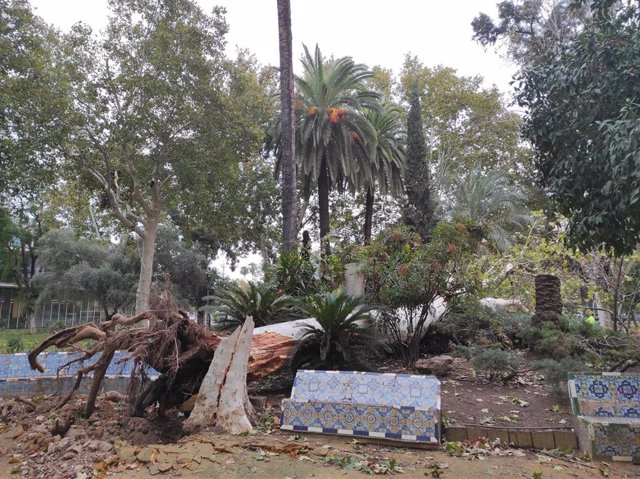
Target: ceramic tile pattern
[(17, 377), (608, 409), (422, 392), (390, 406)]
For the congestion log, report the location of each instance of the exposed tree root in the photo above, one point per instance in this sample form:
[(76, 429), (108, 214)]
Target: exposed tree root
[(176, 347)]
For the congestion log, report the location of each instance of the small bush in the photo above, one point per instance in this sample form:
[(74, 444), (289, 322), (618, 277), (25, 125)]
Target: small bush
[(557, 373), (15, 345), (496, 363), (470, 323), (57, 326)]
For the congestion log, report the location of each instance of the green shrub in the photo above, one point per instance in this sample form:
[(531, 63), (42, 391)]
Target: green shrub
[(57, 326), (495, 363), (339, 342), (470, 323), (408, 276), (15, 345), (293, 275), (557, 373)]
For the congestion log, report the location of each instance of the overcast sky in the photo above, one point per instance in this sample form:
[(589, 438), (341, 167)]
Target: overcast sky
[(374, 32)]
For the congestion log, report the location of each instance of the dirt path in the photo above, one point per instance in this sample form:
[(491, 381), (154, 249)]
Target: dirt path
[(278, 456)]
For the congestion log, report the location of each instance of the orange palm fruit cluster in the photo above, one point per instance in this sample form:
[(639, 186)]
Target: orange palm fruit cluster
[(336, 114)]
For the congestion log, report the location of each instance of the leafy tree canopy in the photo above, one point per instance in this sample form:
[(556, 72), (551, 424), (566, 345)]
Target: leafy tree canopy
[(583, 104)]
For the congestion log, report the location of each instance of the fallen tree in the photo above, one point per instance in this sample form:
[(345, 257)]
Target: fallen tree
[(175, 346)]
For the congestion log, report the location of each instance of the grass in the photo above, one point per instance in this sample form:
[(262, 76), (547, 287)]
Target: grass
[(29, 341)]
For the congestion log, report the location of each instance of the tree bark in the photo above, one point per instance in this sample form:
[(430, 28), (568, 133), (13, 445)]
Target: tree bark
[(146, 264), (289, 201), (223, 400), (323, 200), (548, 299), (368, 215)]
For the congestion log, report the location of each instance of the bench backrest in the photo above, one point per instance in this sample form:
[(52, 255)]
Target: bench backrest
[(16, 366), (375, 389), (605, 394)]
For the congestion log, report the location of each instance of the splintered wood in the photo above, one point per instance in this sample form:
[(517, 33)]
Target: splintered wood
[(223, 400)]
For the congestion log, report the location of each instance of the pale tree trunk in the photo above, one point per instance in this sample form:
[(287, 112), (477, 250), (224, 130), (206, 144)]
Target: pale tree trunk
[(288, 127), (223, 400), (144, 222), (146, 264)]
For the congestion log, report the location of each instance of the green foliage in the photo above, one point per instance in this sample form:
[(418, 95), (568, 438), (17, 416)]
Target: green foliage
[(496, 363), (419, 212), (14, 345), (551, 341), (261, 301), (332, 133), (583, 120), (469, 323), (293, 275), (556, 373), (530, 27), (33, 105), (492, 203), (186, 267), (340, 342), (407, 277), (74, 268), (465, 125)]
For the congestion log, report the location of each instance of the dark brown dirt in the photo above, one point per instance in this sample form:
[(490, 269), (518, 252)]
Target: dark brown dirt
[(526, 401)]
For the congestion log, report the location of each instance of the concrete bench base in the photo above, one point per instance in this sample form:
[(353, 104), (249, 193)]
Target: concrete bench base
[(609, 438), (348, 419)]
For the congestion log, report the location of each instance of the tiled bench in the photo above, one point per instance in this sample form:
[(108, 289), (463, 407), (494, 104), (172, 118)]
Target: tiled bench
[(608, 410), (397, 407), (17, 378)]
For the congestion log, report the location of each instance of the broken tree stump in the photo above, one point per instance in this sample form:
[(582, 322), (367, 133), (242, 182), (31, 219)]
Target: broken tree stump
[(223, 400)]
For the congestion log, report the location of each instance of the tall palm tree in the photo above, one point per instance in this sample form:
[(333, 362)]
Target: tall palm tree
[(332, 128), (496, 206), (386, 168), (288, 126)]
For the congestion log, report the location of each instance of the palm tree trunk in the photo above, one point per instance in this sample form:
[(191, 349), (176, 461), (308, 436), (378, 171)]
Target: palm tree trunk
[(288, 128), (368, 215), (323, 201), (548, 299)]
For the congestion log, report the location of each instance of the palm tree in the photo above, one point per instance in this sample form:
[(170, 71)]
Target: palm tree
[(386, 167), (332, 128), (288, 127), (489, 200)]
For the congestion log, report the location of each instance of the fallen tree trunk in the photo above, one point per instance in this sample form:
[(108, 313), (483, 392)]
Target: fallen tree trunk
[(223, 400), (176, 347)]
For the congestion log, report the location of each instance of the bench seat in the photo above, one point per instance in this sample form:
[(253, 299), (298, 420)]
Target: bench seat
[(607, 406), (397, 407)]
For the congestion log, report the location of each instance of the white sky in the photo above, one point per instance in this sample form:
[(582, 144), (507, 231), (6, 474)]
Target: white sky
[(374, 32)]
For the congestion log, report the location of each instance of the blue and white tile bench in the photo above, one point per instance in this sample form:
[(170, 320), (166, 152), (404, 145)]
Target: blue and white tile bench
[(397, 407), (608, 410), (17, 378)]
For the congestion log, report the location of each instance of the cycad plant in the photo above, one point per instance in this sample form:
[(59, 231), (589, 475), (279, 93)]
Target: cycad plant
[(341, 341), (260, 301)]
